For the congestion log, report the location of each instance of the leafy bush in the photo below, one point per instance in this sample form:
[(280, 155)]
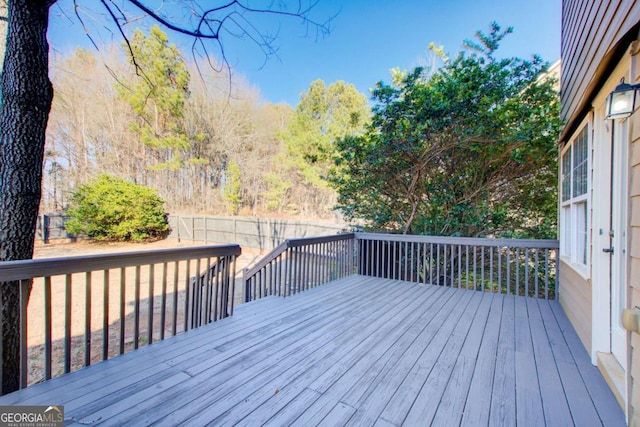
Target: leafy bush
[(110, 208)]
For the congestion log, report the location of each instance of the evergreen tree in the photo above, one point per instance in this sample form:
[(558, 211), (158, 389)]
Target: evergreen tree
[(469, 150)]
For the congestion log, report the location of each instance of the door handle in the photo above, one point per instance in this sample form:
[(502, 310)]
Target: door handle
[(607, 250)]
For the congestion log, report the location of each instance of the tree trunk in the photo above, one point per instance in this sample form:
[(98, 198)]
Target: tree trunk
[(26, 101)]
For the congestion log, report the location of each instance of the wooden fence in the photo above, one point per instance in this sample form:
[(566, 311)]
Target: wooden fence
[(259, 233)]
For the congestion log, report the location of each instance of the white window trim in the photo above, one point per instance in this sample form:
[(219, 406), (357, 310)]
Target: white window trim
[(568, 247)]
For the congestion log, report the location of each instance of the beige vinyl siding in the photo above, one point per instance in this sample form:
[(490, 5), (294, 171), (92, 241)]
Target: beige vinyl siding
[(634, 263), (591, 31), (575, 298)]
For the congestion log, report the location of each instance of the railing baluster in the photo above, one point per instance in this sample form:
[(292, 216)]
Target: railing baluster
[(297, 276), (491, 279), (208, 282), (374, 256), (466, 269), (371, 257), (325, 262), (187, 294), (394, 260), (517, 271), (438, 264), (526, 272), (303, 271), (24, 348), (67, 323), (475, 268), (302, 268), (546, 274), (253, 290), (136, 308), (431, 264), (418, 259), (483, 281), (293, 272), (87, 318), (289, 272), (231, 275), (459, 272), (105, 315), (197, 296), (537, 270), (216, 290), (47, 328), (409, 261), (278, 275), (163, 301), (340, 260), (452, 265), (314, 258), (222, 289), (306, 268), (174, 321), (270, 277), (508, 271), (123, 284), (499, 250)]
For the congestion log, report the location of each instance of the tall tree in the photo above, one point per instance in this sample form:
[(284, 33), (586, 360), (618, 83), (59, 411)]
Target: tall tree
[(323, 115), (158, 95), (468, 150), (26, 94)]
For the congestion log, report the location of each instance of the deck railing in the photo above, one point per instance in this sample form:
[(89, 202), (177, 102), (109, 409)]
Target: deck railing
[(300, 264), (89, 308), (509, 266), (66, 324)]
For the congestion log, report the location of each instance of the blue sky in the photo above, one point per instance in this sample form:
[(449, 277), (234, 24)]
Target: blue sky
[(367, 39)]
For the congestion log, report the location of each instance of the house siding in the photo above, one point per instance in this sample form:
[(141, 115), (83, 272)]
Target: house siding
[(595, 36), (575, 298), (591, 31), (634, 265)]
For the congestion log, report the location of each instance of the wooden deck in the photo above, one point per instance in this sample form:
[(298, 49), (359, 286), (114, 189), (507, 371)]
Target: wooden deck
[(358, 351)]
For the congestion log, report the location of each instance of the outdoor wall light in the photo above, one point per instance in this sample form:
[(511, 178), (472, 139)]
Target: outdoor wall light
[(621, 103)]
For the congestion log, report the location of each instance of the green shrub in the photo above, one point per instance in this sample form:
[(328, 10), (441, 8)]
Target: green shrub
[(110, 208)]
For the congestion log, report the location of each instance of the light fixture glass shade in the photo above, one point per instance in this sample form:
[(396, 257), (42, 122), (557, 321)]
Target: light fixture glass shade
[(621, 102)]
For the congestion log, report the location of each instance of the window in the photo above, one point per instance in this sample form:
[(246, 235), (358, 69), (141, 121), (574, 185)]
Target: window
[(574, 211)]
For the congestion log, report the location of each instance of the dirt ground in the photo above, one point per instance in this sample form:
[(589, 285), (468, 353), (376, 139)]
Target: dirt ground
[(99, 284)]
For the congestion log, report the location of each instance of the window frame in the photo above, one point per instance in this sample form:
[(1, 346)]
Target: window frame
[(575, 210)]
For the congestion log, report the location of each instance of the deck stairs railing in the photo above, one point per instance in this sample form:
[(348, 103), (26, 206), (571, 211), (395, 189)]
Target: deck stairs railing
[(300, 264)]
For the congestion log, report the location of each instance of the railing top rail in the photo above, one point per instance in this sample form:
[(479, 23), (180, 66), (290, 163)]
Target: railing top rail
[(27, 269), (471, 241), (277, 251), (294, 243)]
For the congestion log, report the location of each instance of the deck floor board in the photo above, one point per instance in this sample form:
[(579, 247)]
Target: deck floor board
[(357, 351)]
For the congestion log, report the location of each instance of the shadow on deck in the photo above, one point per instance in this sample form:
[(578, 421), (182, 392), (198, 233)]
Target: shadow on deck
[(359, 351)]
